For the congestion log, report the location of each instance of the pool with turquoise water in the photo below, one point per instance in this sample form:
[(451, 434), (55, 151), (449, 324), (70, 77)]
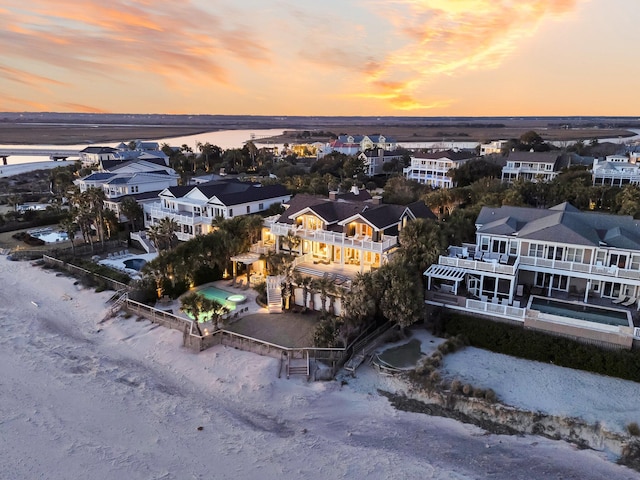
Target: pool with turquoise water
[(230, 300)]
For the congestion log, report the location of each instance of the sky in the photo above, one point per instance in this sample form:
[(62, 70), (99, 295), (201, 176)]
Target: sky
[(329, 57)]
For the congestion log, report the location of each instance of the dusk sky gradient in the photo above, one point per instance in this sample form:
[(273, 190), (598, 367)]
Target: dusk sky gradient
[(328, 57)]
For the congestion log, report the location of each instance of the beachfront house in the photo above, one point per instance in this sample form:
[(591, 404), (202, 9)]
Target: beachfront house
[(141, 180), (194, 207), (433, 168), (534, 265), (532, 166), (351, 231), (336, 238)]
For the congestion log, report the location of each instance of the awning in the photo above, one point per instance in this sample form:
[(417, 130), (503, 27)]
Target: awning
[(445, 272), (246, 258)]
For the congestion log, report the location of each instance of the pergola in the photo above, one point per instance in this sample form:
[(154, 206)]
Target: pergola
[(445, 272), (245, 258)]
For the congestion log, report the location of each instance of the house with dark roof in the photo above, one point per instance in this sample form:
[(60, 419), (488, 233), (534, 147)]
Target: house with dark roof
[(560, 270), (350, 232), (194, 207), (532, 166), (129, 179), (433, 168)]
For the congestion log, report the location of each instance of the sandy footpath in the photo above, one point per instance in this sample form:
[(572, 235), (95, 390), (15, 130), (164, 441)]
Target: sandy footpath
[(122, 399)]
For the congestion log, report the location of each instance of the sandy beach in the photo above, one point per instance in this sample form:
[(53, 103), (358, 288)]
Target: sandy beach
[(18, 168), (83, 398)]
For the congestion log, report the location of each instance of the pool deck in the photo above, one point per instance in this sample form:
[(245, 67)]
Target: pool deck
[(292, 330)]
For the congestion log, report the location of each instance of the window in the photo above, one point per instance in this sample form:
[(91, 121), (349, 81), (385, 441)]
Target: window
[(484, 244), (536, 250), (261, 206), (230, 212), (575, 254), (248, 208), (513, 247)]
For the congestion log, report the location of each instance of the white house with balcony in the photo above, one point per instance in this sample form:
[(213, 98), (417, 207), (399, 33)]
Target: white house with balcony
[(531, 166), (583, 258), (433, 168), (138, 179), (194, 207), (615, 170), (345, 230)]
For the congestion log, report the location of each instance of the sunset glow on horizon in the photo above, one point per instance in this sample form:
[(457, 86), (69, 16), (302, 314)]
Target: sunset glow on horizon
[(376, 57)]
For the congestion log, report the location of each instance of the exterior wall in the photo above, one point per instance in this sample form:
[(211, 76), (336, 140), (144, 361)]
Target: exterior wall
[(531, 171), (432, 172)]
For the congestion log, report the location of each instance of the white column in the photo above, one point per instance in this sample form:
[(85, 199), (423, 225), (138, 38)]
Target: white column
[(586, 292)]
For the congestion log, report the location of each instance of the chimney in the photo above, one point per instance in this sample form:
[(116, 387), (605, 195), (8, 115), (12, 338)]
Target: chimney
[(376, 200), (333, 195), (355, 190)]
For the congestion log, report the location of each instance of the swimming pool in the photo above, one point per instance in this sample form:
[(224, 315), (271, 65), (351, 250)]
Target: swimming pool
[(135, 263), (581, 311), (48, 235), (227, 299)]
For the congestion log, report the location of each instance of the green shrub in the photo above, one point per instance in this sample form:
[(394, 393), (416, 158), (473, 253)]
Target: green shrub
[(532, 345), (633, 429)]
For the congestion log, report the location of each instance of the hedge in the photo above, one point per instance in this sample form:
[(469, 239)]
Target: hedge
[(533, 345)]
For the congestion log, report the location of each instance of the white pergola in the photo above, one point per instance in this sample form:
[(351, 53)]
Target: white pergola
[(247, 259), (445, 272)]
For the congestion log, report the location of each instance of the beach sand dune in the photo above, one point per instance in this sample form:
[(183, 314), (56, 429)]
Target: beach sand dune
[(123, 399)]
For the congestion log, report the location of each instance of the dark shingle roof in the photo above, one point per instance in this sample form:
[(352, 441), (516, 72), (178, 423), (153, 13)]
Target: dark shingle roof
[(563, 224), (450, 154)]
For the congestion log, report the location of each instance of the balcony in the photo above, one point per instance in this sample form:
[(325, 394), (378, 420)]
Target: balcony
[(585, 269), (184, 218), (335, 238), (479, 265)]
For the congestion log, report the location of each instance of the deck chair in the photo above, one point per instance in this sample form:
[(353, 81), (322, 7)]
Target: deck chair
[(629, 302), (621, 299)]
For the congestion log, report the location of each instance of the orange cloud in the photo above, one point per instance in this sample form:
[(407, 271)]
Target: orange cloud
[(20, 76), (174, 41), (445, 37), (78, 107)]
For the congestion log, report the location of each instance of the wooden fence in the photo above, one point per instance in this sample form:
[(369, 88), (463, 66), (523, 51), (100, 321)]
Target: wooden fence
[(81, 272)]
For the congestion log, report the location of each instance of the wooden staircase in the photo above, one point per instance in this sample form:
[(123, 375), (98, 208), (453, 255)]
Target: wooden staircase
[(297, 366), (365, 347), (274, 294)]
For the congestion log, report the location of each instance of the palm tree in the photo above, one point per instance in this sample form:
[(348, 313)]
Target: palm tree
[(69, 226), (202, 309), (291, 240), (133, 211), (326, 288), (304, 283), (110, 222), (420, 243), (163, 234), (191, 305)]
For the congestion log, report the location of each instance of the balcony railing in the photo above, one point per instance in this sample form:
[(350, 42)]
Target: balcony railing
[(335, 238), (584, 268), (514, 313), (185, 218), (479, 265)]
